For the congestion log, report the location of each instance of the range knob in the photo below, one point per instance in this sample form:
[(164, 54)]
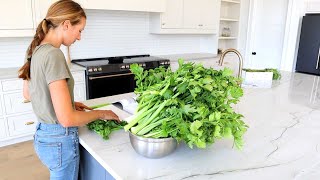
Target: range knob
[(95, 69), (100, 69), (90, 70), (127, 66), (122, 67)]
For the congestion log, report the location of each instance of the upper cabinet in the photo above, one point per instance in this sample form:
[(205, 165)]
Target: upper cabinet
[(41, 8), (187, 17), (17, 18), (20, 18), (125, 5)]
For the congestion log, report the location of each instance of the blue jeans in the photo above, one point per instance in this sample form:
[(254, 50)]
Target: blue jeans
[(58, 148)]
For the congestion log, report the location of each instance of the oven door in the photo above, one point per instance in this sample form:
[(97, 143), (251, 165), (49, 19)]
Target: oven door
[(109, 84)]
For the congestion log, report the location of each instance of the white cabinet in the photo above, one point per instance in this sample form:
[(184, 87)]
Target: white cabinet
[(187, 17), (12, 85), (125, 5), (14, 103), (20, 18), (122, 5), (173, 17), (41, 8), (1, 107), (2, 129), (17, 18), (22, 124), (201, 14), (17, 120)]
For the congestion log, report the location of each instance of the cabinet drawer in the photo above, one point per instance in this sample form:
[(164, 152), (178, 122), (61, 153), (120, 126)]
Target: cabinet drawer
[(12, 85), (78, 77), (14, 103), (22, 124), (2, 129)]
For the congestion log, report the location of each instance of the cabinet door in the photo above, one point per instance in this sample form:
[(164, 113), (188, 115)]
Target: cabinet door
[(191, 14), (2, 129), (12, 85), (16, 14), (209, 16), (42, 8), (1, 111), (309, 46), (14, 103), (22, 124), (201, 14), (173, 17)]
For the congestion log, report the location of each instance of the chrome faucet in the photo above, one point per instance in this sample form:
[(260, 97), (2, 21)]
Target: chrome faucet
[(239, 56)]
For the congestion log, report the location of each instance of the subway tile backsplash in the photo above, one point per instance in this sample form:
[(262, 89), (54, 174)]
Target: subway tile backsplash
[(114, 33)]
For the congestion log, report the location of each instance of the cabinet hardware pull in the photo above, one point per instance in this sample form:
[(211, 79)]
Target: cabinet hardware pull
[(29, 123), (116, 75), (26, 101), (317, 66)]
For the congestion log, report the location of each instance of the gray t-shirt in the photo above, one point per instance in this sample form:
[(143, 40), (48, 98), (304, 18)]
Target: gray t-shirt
[(48, 64)]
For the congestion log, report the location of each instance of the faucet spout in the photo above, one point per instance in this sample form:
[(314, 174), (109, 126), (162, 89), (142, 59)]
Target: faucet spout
[(239, 57)]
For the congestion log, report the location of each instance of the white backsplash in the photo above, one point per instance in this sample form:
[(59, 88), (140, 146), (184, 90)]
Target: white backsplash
[(114, 33)]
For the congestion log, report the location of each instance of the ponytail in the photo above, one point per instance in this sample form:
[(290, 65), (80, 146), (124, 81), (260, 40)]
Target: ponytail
[(42, 30)]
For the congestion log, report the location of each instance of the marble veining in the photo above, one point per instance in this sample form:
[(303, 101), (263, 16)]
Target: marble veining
[(282, 142)]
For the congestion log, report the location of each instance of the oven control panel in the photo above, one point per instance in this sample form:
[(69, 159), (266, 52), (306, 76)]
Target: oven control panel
[(125, 67)]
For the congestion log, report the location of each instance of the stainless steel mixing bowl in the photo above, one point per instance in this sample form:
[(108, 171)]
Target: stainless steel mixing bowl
[(152, 148)]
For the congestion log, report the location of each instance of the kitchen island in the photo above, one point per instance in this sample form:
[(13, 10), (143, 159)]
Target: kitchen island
[(282, 142)]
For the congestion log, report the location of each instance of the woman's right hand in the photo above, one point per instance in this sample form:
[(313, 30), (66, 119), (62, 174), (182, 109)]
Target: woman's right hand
[(108, 115)]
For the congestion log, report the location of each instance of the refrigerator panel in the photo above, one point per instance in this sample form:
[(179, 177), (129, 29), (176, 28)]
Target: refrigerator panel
[(309, 46)]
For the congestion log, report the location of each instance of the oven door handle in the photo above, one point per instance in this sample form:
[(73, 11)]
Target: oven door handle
[(107, 76)]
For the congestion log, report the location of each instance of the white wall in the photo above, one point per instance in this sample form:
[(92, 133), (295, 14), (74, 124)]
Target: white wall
[(114, 33), (296, 10)]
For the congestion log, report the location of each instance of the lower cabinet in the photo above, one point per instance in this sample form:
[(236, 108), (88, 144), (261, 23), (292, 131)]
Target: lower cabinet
[(22, 124), (17, 120), (90, 168), (14, 103), (2, 129)]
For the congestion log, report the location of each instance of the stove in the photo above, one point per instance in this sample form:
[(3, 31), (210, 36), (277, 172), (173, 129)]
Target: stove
[(108, 76), (120, 64)]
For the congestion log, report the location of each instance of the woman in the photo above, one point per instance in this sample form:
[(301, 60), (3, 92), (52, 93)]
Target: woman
[(48, 84)]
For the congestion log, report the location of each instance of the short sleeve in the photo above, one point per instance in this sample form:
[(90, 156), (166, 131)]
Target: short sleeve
[(55, 66)]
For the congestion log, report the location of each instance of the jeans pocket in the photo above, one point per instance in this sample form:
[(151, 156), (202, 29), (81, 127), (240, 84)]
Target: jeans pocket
[(49, 153)]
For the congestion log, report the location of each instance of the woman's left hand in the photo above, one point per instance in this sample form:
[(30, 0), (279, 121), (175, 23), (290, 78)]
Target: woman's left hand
[(81, 107)]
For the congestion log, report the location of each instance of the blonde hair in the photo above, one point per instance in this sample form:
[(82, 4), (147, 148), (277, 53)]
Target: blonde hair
[(58, 12)]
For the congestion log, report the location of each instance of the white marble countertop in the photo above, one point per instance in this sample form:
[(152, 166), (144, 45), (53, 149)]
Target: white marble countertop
[(282, 142), (7, 73)]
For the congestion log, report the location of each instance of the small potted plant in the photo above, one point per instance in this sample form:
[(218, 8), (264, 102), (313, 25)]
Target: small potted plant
[(260, 78)]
